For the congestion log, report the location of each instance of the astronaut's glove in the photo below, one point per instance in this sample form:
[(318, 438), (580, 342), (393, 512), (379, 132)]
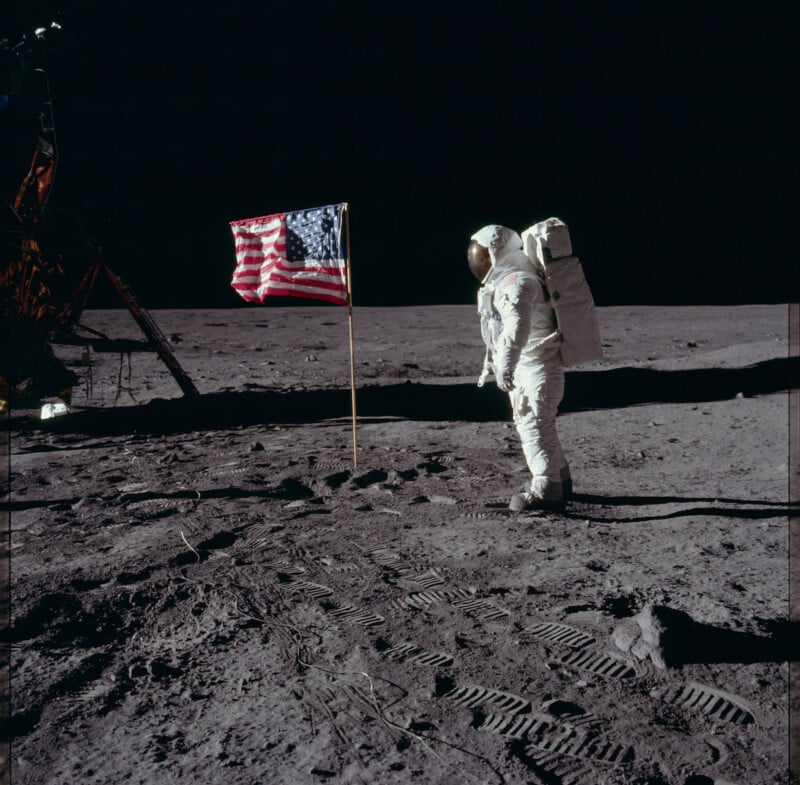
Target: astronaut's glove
[(505, 381), (485, 374)]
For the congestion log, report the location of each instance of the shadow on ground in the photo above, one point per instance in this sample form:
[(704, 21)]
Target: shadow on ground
[(585, 390), (743, 508), (709, 644), (682, 640), (639, 501)]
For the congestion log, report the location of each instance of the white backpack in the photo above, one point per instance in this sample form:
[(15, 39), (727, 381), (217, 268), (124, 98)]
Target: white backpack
[(547, 244)]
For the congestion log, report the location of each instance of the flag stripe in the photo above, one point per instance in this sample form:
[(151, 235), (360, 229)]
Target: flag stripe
[(290, 268), (260, 247), (265, 220), (294, 292), (279, 272), (309, 281)]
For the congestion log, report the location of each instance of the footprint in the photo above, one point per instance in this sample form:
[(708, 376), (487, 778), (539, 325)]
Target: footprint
[(559, 633), (612, 666), (485, 610), (314, 590), (411, 653), (355, 615), (422, 600), (716, 704), (555, 768), (516, 726), (580, 744), (426, 580), (472, 696)]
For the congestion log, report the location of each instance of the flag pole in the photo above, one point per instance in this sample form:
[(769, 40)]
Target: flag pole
[(350, 322)]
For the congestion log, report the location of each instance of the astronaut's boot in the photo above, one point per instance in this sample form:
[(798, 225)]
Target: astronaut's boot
[(539, 494), (519, 502), (566, 485)]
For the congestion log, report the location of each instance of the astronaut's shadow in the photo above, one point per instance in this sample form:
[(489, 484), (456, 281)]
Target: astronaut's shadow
[(639, 500), (779, 510), (621, 387), (752, 509)]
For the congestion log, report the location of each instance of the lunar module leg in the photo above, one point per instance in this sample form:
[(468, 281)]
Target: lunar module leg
[(72, 311), (154, 335)]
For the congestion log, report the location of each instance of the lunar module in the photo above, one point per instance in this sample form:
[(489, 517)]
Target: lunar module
[(43, 288)]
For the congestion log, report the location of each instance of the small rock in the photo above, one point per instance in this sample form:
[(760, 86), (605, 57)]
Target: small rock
[(441, 499), (660, 633), (625, 635), (132, 487), (392, 478)]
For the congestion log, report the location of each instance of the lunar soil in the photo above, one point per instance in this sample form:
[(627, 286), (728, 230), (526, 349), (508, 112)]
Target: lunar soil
[(212, 590)]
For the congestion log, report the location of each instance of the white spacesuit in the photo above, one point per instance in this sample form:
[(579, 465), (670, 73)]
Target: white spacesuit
[(523, 343)]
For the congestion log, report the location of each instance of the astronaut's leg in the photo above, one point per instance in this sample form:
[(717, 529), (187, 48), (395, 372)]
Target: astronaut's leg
[(537, 392)]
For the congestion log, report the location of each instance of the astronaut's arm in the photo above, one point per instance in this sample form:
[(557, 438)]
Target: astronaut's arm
[(488, 368), (490, 323), (514, 305)]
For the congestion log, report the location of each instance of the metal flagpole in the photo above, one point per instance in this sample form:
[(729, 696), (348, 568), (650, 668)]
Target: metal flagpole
[(350, 321)]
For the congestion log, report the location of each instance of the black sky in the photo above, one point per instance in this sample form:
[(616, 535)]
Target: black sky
[(663, 133)]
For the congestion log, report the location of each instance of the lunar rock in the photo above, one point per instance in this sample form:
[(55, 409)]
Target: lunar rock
[(659, 633)]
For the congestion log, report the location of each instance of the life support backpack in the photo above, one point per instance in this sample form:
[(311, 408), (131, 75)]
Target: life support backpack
[(547, 244)]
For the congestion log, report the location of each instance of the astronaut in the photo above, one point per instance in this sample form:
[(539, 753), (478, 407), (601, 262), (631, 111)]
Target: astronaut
[(519, 328)]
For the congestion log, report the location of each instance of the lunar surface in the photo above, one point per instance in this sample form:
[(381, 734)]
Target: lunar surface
[(213, 590)]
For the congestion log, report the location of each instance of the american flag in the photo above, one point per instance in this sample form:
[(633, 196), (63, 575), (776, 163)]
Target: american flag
[(295, 254)]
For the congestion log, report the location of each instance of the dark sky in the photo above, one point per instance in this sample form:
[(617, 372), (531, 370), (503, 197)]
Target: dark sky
[(661, 132)]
